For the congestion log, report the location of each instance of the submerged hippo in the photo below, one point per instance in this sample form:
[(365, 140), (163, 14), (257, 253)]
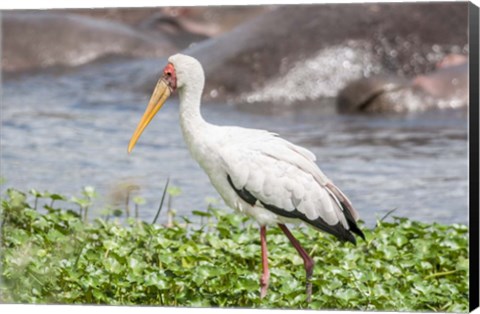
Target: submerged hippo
[(307, 52), (446, 87), (40, 39)]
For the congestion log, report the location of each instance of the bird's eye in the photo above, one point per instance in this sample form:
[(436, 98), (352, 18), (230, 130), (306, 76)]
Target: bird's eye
[(169, 73)]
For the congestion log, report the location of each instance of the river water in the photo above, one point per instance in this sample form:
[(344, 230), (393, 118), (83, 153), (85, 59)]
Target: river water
[(62, 130)]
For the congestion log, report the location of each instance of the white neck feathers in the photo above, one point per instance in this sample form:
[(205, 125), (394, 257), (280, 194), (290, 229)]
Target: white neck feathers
[(190, 82)]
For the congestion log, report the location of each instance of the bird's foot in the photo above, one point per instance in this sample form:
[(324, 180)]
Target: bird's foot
[(263, 292), (309, 291), (263, 285), (309, 273)]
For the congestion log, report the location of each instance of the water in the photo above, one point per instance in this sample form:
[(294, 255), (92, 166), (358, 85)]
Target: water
[(61, 131)]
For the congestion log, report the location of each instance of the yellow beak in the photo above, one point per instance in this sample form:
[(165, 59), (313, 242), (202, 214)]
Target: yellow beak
[(159, 96)]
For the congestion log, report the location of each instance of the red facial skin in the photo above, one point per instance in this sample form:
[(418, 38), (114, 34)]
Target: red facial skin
[(170, 77)]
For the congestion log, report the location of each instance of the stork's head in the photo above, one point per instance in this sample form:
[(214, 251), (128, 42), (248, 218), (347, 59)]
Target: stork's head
[(182, 72)]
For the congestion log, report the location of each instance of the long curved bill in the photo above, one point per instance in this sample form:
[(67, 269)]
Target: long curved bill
[(159, 96)]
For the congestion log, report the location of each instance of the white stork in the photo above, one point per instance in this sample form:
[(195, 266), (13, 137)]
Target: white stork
[(256, 172)]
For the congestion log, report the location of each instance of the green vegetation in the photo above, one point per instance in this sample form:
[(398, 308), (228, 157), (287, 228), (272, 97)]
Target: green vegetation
[(58, 257)]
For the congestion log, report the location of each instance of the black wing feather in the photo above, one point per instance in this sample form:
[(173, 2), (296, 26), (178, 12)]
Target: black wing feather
[(337, 230)]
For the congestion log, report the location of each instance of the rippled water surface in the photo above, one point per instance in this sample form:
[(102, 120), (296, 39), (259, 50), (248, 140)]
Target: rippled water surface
[(60, 132)]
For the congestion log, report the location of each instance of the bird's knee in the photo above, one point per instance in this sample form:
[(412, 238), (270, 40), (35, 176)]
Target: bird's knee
[(309, 265), (264, 279)]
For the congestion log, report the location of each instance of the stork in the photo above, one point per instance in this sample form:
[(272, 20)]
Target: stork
[(256, 172)]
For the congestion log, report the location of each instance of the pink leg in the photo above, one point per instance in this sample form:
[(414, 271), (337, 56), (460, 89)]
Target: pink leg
[(265, 274), (307, 260)]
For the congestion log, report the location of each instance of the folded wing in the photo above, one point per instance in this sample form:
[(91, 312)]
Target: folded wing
[(272, 173)]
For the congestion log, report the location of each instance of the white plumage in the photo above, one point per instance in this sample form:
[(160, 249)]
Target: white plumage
[(256, 172), (275, 171)]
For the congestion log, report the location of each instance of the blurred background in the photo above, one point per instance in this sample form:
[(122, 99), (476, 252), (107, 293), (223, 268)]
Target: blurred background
[(379, 92)]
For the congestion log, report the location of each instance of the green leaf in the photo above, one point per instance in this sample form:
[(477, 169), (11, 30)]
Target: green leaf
[(201, 214), (36, 193), (153, 279), (110, 244), (117, 212), (57, 197), (112, 265), (89, 192), (174, 191), (390, 252), (139, 200), (80, 201), (399, 239)]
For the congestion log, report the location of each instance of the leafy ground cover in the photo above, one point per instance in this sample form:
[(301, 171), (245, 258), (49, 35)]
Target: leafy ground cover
[(55, 256)]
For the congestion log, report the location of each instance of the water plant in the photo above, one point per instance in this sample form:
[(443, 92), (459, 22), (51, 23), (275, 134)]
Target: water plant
[(56, 256)]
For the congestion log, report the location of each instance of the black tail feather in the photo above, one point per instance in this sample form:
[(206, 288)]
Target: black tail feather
[(351, 222)]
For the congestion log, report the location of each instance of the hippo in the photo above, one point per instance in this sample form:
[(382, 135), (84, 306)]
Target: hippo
[(41, 39), (72, 37), (283, 54), (186, 26), (298, 53), (445, 87)]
